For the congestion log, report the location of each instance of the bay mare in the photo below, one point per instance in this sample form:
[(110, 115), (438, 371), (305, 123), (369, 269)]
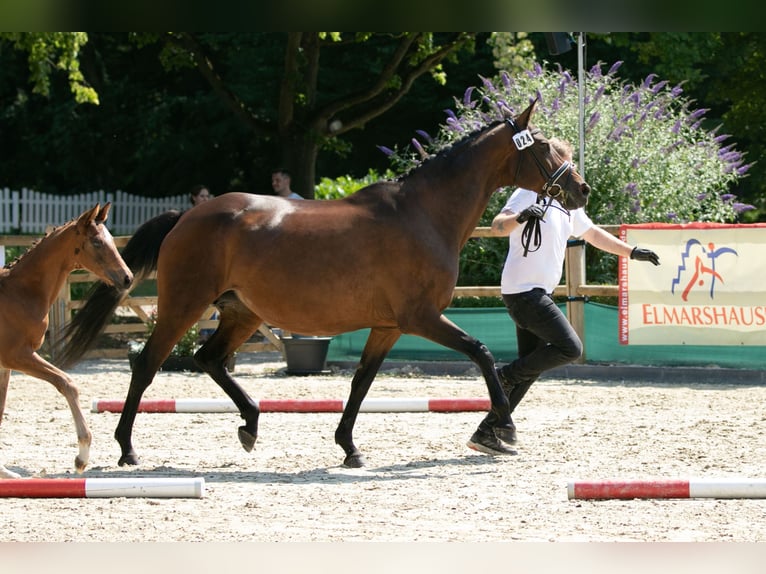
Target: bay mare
[(384, 258), (28, 288)]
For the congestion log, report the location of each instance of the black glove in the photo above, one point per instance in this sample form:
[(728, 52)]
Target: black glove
[(534, 210), (641, 254)]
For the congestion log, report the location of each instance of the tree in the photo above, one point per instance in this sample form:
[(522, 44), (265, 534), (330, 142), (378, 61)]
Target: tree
[(47, 51), (304, 107)]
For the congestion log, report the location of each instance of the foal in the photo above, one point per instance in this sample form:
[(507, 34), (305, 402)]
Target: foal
[(28, 288)]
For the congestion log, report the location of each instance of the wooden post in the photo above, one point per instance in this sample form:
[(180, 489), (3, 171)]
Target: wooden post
[(575, 276)]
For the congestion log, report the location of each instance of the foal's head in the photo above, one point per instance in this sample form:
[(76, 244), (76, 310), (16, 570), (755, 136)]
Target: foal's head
[(541, 167), (95, 249)]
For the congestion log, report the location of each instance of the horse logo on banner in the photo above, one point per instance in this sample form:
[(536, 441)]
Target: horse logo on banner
[(700, 267)]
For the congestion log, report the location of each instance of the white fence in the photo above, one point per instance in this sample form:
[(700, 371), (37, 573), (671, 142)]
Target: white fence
[(28, 211)]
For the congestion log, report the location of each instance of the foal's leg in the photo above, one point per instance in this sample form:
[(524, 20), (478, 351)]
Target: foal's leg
[(5, 376), (35, 366), (235, 326), (445, 332), (378, 345)]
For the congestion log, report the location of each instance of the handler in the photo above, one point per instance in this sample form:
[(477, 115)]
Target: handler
[(532, 270)]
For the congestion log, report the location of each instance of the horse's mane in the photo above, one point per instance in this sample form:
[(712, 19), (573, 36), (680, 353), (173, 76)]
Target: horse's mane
[(37, 242), (447, 149)]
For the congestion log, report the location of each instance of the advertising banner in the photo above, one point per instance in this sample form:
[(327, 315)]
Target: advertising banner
[(710, 288)]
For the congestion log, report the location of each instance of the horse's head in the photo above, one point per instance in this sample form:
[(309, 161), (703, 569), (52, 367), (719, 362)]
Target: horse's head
[(541, 168), (96, 250)]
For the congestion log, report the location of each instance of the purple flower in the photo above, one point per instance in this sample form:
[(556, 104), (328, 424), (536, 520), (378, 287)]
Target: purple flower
[(727, 196), (507, 80), (698, 113), (702, 196), (659, 85), (648, 80), (488, 84), (743, 170), (676, 127), (671, 215), (450, 114), (594, 117), (721, 138), (741, 207), (424, 135), (419, 148), (676, 91), (614, 67), (386, 150), (595, 71), (467, 96)]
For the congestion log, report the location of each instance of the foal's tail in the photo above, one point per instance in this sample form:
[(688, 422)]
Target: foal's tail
[(140, 254)]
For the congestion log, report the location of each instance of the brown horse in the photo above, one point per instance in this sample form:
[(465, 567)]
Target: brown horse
[(385, 258), (28, 288)]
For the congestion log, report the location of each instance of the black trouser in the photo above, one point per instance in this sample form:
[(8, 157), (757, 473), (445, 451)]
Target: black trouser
[(545, 340)]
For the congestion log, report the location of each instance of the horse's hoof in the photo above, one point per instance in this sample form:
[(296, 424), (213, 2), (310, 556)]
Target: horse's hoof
[(246, 438), (506, 434), (130, 459), (354, 461), (80, 464)]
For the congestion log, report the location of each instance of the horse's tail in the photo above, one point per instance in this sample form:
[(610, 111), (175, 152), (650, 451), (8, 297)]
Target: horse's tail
[(140, 255)]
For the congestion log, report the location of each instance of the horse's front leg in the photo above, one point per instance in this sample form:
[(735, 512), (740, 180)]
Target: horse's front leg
[(376, 348), (35, 366), (445, 332), (5, 376)]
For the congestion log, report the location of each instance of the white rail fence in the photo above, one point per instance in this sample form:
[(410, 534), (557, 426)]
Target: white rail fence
[(29, 211)]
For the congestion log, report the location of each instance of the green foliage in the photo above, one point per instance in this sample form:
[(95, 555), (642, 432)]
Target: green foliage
[(185, 347), (50, 51), (329, 188)]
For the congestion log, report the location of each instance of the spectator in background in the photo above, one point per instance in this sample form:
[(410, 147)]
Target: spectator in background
[(199, 194), (280, 183)]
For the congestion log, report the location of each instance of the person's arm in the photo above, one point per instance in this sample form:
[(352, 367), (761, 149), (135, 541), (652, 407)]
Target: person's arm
[(605, 241), (505, 221)]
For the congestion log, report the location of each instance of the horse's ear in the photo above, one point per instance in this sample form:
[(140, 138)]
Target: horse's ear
[(103, 212), (523, 119)]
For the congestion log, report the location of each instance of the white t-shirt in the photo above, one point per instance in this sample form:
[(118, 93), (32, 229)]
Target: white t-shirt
[(541, 268)]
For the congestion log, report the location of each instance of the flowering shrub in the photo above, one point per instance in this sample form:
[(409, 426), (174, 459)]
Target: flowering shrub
[(647, 156)]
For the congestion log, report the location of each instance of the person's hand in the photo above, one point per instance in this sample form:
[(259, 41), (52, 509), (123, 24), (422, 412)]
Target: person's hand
[(641, 254), (534, 210)]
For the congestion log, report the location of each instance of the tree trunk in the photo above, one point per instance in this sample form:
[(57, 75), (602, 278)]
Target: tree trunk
[(299, 154)]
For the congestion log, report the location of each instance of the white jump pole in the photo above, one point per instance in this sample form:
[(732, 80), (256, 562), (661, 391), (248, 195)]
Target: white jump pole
[(371, 405), (102, 487), (670, 488)]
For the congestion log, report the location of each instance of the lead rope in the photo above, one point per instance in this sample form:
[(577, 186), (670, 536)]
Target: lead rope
[(532, 235)]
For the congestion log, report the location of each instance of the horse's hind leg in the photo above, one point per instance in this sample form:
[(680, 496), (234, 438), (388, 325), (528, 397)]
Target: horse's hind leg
[(235, 326), (5, 376), (35, 366), (445, 332), (376, 348)]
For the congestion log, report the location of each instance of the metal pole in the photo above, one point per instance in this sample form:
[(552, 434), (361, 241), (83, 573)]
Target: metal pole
[(581, 98)]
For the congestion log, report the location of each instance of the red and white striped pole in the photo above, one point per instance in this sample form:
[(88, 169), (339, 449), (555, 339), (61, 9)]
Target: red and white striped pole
[(668, 488), (102, 487), (370, 405)]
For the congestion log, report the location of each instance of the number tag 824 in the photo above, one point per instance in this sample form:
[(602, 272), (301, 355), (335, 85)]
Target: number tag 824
[(523, 139)]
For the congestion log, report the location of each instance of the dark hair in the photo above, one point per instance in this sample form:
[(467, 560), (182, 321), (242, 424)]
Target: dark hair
[(195, 191), (282, 171)]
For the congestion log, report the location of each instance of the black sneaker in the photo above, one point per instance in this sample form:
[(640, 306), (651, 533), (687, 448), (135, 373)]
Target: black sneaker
[(488, 443)]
